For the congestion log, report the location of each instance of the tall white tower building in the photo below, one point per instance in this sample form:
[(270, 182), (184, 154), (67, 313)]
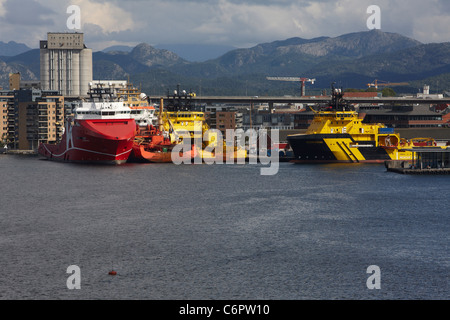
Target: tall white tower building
[(66, 64)]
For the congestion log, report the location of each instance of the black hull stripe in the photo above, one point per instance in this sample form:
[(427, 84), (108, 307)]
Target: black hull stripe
[(305, 150)]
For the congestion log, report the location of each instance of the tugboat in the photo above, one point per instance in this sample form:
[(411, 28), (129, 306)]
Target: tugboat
[(337, 134), (152, 143), (182, 119), (101, 131)]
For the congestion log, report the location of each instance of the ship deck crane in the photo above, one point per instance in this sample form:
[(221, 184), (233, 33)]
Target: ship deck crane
[(386, 84), (302, 80)]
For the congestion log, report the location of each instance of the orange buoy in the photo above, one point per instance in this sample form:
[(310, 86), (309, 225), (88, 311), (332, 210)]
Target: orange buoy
[(112, 273)]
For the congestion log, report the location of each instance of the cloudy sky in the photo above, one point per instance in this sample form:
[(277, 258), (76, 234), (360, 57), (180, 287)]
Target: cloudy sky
[(239, 23)]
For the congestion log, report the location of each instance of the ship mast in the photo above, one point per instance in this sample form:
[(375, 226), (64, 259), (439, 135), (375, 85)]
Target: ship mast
[(337, 99)]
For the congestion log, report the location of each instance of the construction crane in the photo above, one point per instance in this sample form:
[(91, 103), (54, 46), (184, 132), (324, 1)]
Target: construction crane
[(386, 84), (302, 80)]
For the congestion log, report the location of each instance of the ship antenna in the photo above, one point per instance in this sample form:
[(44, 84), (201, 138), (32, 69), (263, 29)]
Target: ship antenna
[(334, 97)]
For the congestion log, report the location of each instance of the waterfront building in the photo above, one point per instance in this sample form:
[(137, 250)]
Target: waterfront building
[(419, 116), (427, 95), (437, 158), (279, 121), (66, 64), (7, 127), (425, 161), (223, 118), (31, 116), (16, 82)]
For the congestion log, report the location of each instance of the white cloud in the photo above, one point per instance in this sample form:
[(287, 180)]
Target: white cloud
[(2, 9), (240, 23), (107, 15), (436, 27)]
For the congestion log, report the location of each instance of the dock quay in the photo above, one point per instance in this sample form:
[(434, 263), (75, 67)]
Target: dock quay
[(431, 160), (22, 152), (440, 171)]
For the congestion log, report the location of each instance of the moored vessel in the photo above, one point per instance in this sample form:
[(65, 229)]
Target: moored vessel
[(182, 120), (152, 143), (337, 134), (100, 131)]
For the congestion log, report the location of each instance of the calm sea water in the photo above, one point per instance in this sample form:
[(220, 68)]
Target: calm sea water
[(221, 231)]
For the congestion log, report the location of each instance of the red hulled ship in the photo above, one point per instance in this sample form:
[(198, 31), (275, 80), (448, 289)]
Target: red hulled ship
[(101, 131)]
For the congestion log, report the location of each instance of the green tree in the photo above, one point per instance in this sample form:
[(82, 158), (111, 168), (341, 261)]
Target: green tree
[(388, 92)]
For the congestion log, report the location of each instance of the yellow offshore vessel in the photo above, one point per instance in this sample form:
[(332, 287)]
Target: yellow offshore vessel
[(337, 134), (181, 119)]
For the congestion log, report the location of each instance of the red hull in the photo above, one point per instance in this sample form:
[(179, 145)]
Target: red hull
[(93, 141), (142, 154), (151, 146)]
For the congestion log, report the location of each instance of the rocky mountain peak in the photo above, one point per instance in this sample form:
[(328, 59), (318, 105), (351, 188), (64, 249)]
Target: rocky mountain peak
[(150, 56)]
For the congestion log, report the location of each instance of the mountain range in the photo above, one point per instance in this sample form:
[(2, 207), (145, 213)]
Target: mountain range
[(351, 60), (12, 48)]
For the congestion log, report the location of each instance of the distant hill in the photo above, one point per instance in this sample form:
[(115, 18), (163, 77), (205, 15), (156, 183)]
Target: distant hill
[(412, 64), (119, 64), (189, 52), (118, 49), (352, 60), (296, 56), (197, 52), (12, 48), (28, 64)]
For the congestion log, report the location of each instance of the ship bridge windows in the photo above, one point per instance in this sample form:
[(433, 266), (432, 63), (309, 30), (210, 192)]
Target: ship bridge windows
[(103, 113), (89, 112)]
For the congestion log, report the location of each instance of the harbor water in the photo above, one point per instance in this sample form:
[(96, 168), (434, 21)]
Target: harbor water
[(214, 232)]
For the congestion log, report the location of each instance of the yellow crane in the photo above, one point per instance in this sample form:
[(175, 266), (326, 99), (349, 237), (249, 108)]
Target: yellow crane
[(302, 80), (386, 84)]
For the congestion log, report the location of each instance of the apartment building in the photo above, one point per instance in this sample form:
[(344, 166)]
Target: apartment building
[(31, 116), (223, 118)]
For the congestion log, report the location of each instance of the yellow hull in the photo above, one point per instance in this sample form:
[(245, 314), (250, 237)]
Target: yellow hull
[(224, 157)]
